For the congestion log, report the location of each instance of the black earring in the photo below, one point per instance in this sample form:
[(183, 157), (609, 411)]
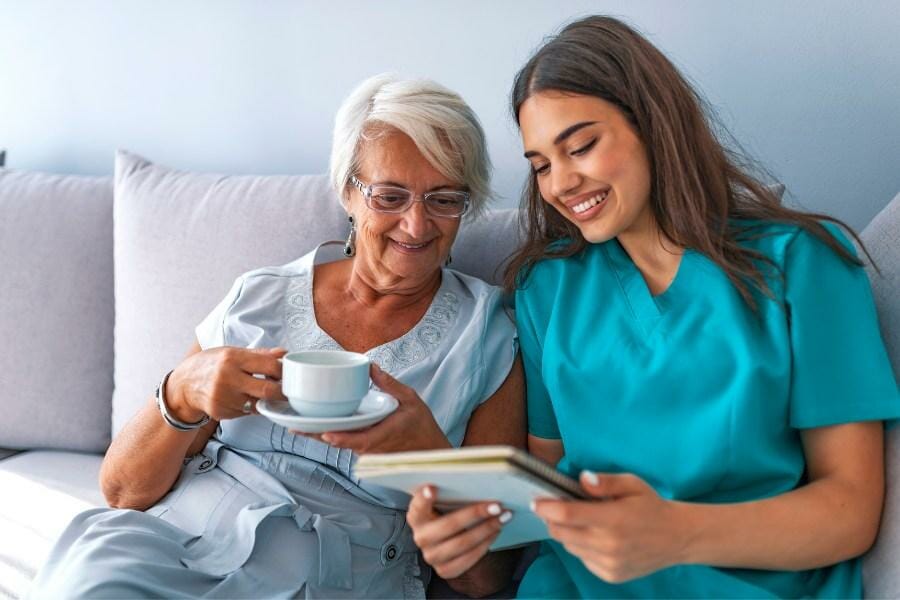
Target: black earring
[(350, 246), (448, 261)]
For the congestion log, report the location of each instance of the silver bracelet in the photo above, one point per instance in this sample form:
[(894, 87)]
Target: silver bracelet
[(167, 416)]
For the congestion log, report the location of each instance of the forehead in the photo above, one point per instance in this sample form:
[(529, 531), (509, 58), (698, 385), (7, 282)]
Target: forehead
[(393, 156), (545, 114)]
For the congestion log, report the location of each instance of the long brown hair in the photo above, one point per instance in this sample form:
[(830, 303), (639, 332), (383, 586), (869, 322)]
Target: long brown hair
[(702, 194)]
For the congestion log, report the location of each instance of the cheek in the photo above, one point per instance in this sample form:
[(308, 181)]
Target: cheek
[(449, 231), (613, 166), (371, 232), (543, 187)]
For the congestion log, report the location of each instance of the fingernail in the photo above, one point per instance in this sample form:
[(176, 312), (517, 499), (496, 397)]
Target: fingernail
[(326, 438), (590, 477), (427, 493), (494, 509), (533, 506), (505, 517)]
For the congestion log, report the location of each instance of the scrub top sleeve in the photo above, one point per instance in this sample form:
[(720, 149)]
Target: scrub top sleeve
[(211, 331), (541, 418), (840, 368)]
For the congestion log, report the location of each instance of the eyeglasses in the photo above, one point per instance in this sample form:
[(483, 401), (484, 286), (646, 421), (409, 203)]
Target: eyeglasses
[(451, 204)]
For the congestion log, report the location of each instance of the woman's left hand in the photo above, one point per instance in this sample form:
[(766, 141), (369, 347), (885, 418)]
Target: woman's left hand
[(410, 427), (628, 532)]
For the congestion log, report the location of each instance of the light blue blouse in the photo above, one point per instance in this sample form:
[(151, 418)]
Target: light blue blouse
[(265, 513), (455, 357), (697, 394)]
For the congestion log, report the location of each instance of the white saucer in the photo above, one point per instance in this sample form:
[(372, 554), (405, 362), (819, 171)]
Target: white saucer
[(374, 407)]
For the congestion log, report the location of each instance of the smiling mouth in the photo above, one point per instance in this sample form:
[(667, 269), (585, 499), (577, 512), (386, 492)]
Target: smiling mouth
[(412, 247), (589, 203)]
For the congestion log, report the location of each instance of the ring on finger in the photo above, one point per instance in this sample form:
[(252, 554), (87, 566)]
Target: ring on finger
[(248, 407)]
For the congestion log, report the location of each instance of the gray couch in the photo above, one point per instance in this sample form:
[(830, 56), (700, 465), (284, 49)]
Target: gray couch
[(105, 278)]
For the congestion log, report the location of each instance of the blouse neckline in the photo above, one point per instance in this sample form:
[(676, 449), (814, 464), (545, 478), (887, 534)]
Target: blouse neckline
[(413, 346)]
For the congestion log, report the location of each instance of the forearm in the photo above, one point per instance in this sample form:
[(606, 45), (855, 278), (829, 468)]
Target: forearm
[(818, 524), (489, 575), (144, 460)]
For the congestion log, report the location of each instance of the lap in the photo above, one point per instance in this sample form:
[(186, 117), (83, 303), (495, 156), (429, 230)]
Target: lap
[(106, 553)]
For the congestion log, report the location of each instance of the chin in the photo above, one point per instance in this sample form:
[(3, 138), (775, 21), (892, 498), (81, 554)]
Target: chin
[(596, 234), (415, 266)]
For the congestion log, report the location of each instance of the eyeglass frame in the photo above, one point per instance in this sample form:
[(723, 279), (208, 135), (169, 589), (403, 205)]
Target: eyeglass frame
[(366, 191)]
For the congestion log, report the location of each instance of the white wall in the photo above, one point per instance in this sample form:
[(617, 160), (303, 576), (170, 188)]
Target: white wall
[(812, 88)]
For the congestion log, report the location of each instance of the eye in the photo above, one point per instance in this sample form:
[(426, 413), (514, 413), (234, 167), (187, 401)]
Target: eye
[(585, 148), (388, 199), (447, 199), (540, 169)]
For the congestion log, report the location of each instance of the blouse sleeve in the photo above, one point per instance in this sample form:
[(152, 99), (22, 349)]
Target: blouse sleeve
[(498, 346), (840, 369), (211, 331), (541, 418)]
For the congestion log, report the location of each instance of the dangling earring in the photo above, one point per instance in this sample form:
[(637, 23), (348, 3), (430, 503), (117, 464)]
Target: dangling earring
[(350, 246), (448, 261)]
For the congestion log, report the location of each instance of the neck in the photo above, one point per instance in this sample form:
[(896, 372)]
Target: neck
[(373, 288), (653, 253)]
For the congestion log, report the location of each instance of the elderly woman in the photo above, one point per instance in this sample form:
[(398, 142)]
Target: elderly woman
[(212, 499)]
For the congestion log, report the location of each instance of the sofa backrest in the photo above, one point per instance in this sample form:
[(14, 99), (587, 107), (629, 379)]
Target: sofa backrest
[(56, 310), (881, 566), (182, 238)]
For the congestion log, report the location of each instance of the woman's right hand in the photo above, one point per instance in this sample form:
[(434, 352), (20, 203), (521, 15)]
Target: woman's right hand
[(454, 542), (218, 382)]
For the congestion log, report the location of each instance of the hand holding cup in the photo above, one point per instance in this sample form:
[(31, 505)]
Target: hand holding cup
[(224, 382)]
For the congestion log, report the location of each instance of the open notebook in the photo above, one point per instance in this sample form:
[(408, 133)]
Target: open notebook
[(462, 475)]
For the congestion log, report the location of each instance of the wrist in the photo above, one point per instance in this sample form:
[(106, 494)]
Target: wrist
[(177, 403), (689, 532)]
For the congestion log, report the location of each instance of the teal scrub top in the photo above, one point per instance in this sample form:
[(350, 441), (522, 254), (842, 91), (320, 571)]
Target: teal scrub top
[(696, 393)]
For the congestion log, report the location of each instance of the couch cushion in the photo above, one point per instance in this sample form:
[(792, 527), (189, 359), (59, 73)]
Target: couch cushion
[(882, 239), (181, 238), (484, 244), (56, 310), (42, 492), (881, 575)]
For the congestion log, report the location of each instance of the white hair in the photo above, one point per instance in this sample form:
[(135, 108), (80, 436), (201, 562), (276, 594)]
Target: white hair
[(440, 123)]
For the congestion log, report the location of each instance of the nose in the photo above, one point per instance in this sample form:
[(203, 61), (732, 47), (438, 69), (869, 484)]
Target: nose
[(416, 220), (563, 179)]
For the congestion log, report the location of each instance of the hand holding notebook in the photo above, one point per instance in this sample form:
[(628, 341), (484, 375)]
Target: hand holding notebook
[(504, 474)]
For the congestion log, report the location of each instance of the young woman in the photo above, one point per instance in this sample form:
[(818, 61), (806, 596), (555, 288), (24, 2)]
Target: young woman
[(707, 360)]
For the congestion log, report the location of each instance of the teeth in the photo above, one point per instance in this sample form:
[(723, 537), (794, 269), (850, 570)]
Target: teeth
[(413, 246), (590, 202)]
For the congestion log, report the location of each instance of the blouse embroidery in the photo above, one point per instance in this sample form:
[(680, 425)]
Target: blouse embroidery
[(412, 347)]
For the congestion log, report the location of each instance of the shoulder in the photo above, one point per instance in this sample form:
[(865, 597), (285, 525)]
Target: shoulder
[(480, 304), (547, 275), (785, 244), (470, 294), (269, 284)]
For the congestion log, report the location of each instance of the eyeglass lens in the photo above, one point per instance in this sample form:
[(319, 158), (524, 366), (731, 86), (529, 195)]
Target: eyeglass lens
[(442, 204)]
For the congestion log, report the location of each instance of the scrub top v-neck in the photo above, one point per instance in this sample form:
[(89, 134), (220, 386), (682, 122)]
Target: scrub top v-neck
[(698, 394)]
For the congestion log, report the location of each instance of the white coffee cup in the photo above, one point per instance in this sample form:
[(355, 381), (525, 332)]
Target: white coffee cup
[(325, 383)]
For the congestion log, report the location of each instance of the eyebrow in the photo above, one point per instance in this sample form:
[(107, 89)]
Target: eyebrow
[(564, 135)]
